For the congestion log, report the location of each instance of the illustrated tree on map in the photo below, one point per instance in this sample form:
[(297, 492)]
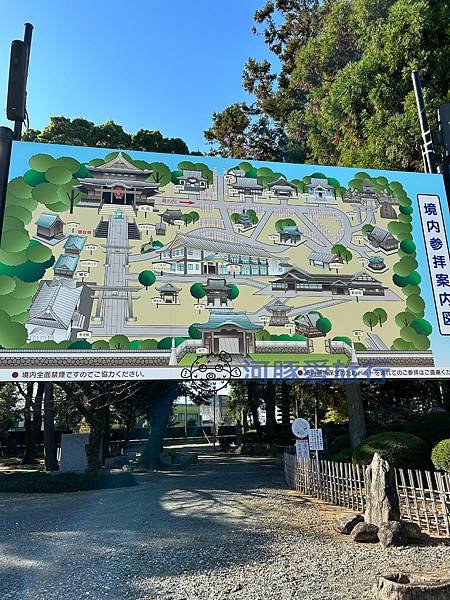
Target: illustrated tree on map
[(146, 278)]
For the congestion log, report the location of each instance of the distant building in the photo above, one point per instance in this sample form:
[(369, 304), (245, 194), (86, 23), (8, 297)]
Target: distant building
[(117, 182), (282, 188), (380, 238), (232, 332), (305, 324), (247, 187), (74, 244), (297, 280), (169, 293), (49, 227), (244, 220), (66, 265), (160, 228), (217, 292), (193, 254), (54, 313), (192, 181), (323, 259), (290, 235), (387, 211), (171, 215), (319, 191), (376, 263), (278, 313)]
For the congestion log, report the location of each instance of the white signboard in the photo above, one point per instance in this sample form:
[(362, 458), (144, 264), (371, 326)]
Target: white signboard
[(436, 245), (300, 428), (302, 449), (315, 439), (83, 335)]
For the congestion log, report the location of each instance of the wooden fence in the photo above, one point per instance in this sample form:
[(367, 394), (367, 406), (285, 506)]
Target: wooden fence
[(424, 495)]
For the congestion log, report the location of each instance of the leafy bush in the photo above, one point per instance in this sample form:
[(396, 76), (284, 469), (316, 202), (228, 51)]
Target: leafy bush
[(43, 483), (344, 455), (399, 449), (340, 443), (432, 427), (440, 456)]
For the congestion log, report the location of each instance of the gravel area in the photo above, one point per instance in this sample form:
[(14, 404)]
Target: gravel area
[(225, 528)]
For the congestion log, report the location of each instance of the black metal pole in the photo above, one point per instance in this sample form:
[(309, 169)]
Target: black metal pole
[(27, 40), (428, 148), (6, 138)]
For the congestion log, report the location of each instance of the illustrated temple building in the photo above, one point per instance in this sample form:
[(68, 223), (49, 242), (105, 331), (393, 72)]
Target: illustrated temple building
[(117, 182)]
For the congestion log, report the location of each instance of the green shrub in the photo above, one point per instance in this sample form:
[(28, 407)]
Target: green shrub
[(344, 455), (399, 449), (432, 428), (440, 456), (43, 483), (340, 443)]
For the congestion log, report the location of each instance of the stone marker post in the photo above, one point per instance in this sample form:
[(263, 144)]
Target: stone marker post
[(382, 501)]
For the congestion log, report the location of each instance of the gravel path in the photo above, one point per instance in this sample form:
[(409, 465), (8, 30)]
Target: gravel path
[(225, 528)]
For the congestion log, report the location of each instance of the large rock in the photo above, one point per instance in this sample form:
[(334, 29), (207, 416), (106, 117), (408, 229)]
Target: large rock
[(413, 530), (392, 533), (365, 532), (382, 501), (346, 525)]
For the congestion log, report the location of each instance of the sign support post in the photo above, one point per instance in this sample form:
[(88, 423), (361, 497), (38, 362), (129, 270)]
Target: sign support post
[(6, 138)]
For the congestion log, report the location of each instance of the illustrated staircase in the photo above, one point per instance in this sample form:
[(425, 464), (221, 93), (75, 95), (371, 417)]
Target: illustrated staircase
[(133, 231), (111, 209), (101, 231)]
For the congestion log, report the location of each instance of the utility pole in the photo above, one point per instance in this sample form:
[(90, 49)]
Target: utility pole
[(15, 109), (427, 140)]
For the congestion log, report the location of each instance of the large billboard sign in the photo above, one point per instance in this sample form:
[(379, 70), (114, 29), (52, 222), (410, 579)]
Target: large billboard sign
[(139, 265)]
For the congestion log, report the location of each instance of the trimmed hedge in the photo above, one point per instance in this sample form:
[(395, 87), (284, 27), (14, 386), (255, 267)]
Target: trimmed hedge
[(432, 428), (440, 455), (399, 449), (43, 483)]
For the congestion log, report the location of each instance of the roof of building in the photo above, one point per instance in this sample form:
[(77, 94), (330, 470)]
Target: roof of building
[(75, 241), (324, 257), (169, 287), (247, 183), (117, 182), (67, 262), (219, 246), (190, 174), (46, 220), (243, 217), (54, 305), (173, 213), (216, 284), (282, 183), (330, 278), (376, 260), (118, 164), (320, 182), (237, 172), (278, 305), (290, 230), (308, 319), (381, 235), (218, 319)]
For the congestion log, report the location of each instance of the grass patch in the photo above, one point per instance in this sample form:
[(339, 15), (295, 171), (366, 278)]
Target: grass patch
[(189, 358), (43, 483), (302, 360)]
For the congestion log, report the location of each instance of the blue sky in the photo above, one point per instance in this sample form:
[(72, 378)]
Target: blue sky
[(155, 64)]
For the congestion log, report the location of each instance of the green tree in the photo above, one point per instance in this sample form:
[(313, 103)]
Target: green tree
[(194, 216), (197, 291), (149, 344), (422, 326), (233, 291), (340, 67), (324, 325), (119, 342), (194, 333), (281, 223), (381, 315), (370, 319), (147, 278)]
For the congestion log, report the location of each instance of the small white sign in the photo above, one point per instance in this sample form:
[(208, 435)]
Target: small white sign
[(358, 332), (300, 428), (199, 306), (362, 260), (81, 274), (302, 449), (178, 222), (201, 351), (315, 439), (146, 227), (91, 247), (73, 225), (264, 319), (89, 263), (84, 335), (336, 265), (356, 292), (145, 208), (274, 238)]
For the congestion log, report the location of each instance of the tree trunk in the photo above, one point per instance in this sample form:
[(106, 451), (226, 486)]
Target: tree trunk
[(51, 462), (271, 423), (355, 412), (106, 432), (94, 445), (402, 586), (253, 406), (32, 416), (285, 410), (37, 414), (244, 420), (159, 418)]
